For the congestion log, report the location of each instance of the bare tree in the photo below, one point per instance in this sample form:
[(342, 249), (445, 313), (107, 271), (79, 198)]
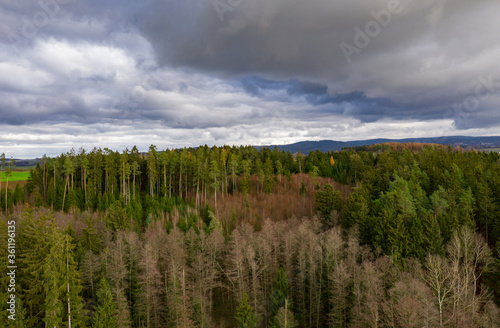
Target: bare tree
[(469, 257), (114, 260), (438, 276), (368, 295), (150, 282)]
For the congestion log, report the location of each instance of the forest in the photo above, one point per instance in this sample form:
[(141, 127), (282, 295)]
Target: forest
[(389, 235)]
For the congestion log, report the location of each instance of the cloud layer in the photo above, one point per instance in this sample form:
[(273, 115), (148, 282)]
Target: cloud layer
[(184, 73)]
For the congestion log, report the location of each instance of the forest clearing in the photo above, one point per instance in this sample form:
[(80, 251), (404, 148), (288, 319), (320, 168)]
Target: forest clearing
[(17, 176)]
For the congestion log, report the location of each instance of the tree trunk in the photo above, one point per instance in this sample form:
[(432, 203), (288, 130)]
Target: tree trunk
[(44, 182), (197, 187), (1, 171), (6, 193), (84, 184), (133, 192), (165, 180), (67, 277), (106, 181), (180, 180), (64, 194), (234, 181), (52, 204), (215, 205)]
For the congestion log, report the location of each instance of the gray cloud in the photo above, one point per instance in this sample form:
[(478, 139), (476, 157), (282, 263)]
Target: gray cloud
[(425, 54), (270, 71)]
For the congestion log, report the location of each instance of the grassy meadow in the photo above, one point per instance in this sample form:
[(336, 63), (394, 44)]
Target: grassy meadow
[(16, 176)]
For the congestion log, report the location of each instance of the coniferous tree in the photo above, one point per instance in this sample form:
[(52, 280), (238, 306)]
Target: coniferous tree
[(245, 317), (150, 287), (35, 245), (284, 318), (69, 170), (233, 165), (279, 295), (152, 162), (85, 164), (327, 201), (89, 266), (2, 166), (117, 273), (8, 174), (105, 315), (135, 173)]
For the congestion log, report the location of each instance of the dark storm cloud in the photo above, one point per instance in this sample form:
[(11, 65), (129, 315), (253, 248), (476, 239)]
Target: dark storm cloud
[(355, 104), (283, 40)]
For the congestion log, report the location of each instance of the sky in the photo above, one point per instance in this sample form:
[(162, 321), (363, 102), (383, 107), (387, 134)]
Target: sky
[(180, 73)]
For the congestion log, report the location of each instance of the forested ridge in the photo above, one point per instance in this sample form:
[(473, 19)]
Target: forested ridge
[(393, 235)]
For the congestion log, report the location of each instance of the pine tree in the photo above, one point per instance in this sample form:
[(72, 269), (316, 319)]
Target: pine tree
[(124, 173), (284, 318), (69, 170), (245, 317), (85, 166), (150, 286), (21, 319), (135, 173), (152, 162), (76, 315), (2, 166), (327, 201), (233, 165), (54, 286), (106, 309), (34, 245), (214, 174), (356, 212), (116, 272), (8, 174), (280, 298), (280, 292)]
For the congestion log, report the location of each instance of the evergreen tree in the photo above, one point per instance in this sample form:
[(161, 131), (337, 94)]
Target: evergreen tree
[(280, 298), (54, 286), (2, 166), (135, 173), (106, 309), (8, 174), (69, 170), (152, 162), (327, 201), (284, 318), (280, 292), (245, 317)]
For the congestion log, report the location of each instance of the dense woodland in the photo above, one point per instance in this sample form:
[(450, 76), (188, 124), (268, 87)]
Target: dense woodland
[(393, 235)]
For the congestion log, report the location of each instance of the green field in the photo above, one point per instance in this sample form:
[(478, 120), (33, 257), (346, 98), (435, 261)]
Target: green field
[(16, 176)]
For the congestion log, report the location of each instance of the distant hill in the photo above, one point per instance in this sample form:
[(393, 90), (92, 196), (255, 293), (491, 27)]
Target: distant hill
[(23, 162), (332, 145)]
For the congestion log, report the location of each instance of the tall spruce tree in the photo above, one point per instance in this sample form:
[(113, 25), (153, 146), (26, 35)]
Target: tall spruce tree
[(245, 317), (105, 315)]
